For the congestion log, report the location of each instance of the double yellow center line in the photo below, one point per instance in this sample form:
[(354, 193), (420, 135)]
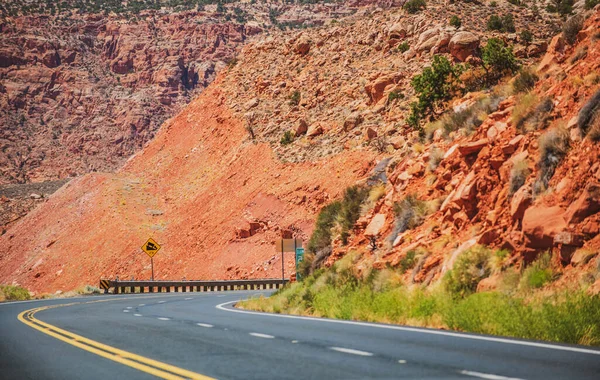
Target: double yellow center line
[(153, 367)]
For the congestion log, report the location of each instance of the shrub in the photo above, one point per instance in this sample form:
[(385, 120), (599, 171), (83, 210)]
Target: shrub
[(518, 175), (410, 213), (295, 98), (13, 293), (532, 114), (524, 81), (414, 6), (393, 95), (589, 118), (526, 37), (502, 24), (455, 21), (470, 267), (571, 27), (498, 58), (538, 274), (493, 4), (288, 138), (435, 157), (563, 7), (554, 145), (321, 236), (408, 261), (349, 213), (403, 47), (434, 85), (589, 4)]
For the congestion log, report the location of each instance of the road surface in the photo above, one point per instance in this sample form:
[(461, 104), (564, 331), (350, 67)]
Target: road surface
[(200, 335)]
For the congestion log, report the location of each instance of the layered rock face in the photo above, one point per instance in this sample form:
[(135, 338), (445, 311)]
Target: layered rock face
[(82, 94)]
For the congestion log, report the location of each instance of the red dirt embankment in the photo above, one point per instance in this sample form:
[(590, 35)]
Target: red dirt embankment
[(195, 188)]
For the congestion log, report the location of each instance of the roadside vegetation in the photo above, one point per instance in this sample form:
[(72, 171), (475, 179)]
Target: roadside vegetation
[(13, 293), (519, 307)]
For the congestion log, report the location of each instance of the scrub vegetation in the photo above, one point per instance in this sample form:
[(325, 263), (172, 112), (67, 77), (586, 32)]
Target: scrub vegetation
[(13, 293), (519, 308)]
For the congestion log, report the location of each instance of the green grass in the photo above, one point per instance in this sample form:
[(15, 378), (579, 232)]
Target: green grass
[(380, 296), (13, 293)]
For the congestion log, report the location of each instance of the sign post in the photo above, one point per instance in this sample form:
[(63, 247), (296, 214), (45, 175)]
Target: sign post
[(286, 245), (151, 247)]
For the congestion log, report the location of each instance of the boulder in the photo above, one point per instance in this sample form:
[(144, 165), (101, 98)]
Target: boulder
[(370, 133), (397, 31), (376, 225), (520, 201), (472, 147), (541, 224), (302, 46), (587, 204), (315, 130), (376, 87), (301, 128), (489, 284), (582, 257), (463, 45), (352, 120)]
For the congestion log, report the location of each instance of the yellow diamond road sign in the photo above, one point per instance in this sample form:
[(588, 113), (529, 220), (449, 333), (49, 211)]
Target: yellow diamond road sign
[(151, 247)]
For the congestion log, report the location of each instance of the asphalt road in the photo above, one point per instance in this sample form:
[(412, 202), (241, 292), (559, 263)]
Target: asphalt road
[(200, 334)]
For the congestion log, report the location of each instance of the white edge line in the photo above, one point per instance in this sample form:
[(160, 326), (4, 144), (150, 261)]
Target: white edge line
[(488, 376), (413, 329), (259, 335), (351, 351)]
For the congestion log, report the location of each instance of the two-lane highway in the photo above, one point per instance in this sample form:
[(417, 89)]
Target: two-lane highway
[(201, 335)]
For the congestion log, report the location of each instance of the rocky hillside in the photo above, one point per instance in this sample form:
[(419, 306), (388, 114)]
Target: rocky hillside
[(82, 89), (221, 181)]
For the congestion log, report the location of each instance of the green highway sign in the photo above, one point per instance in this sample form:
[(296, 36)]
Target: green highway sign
[(299, 259)]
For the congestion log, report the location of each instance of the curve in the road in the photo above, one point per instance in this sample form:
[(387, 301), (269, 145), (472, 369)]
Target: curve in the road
[(141, 363)]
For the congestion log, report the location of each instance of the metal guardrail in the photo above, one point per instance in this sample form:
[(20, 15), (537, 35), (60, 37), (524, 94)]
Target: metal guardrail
[(187, 286)]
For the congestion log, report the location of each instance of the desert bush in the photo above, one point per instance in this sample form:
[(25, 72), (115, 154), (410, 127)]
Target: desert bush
[(524, 81), (562, 7), (321, 236), (13, 293), (571, 27), (518, 175), (455, 21), (434, 85), (498, 58), (414, 6), (410, 212), (538, 274), (393, 95), (590, 4), (403, 47), (288, 138), (526, 36), (375, 194), (505, 24), (435, 157), (589, 118), (470, 267), (554, 146), (354, 197), (408, 261), (532, 113), (295, 98)]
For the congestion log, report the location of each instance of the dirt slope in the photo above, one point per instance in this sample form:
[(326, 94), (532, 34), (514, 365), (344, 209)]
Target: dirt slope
[(196, 183)]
